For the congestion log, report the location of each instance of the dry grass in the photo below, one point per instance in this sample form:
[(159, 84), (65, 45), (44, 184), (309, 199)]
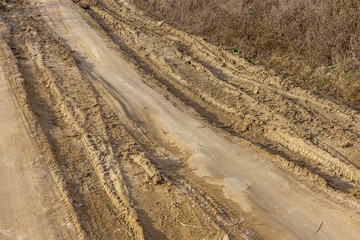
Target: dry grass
[(314, 42)]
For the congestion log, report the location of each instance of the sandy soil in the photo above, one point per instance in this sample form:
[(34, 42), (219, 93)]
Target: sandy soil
[(28, 195), (146, 132)]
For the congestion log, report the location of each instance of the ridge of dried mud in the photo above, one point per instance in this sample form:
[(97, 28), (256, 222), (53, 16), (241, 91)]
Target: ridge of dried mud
[(113, 179)]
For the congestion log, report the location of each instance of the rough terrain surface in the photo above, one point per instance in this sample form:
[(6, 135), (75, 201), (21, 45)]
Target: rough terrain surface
[(115, 126)]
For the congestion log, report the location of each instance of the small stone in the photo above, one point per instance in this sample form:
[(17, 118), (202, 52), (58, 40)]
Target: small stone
[(159, 24)]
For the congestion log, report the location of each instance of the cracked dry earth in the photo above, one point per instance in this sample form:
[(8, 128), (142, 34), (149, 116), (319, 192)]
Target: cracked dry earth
[(114, 126)]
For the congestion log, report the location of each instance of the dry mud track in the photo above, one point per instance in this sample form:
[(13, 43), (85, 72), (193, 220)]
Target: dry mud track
[(149, 133), (104, 176), (29, 198)]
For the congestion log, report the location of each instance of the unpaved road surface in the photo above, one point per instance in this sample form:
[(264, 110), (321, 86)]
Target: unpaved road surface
[(28, 195), (141, 131)]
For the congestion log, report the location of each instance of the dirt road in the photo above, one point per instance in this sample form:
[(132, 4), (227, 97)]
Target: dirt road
[(154, 134), (28, 196)]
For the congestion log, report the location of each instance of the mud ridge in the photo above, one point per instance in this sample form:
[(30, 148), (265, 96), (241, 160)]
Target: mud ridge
[(18, 84), (101, 154)]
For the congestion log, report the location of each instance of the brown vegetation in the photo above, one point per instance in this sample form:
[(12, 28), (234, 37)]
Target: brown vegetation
[(315, 43)]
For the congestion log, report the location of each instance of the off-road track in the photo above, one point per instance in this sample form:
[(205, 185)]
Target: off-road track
[(115, 126)]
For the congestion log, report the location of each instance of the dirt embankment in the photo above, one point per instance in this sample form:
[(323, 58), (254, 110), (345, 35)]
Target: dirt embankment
[(315, 44)]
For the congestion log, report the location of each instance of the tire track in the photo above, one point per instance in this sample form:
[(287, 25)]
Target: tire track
[(249, 101), (105, 176)]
